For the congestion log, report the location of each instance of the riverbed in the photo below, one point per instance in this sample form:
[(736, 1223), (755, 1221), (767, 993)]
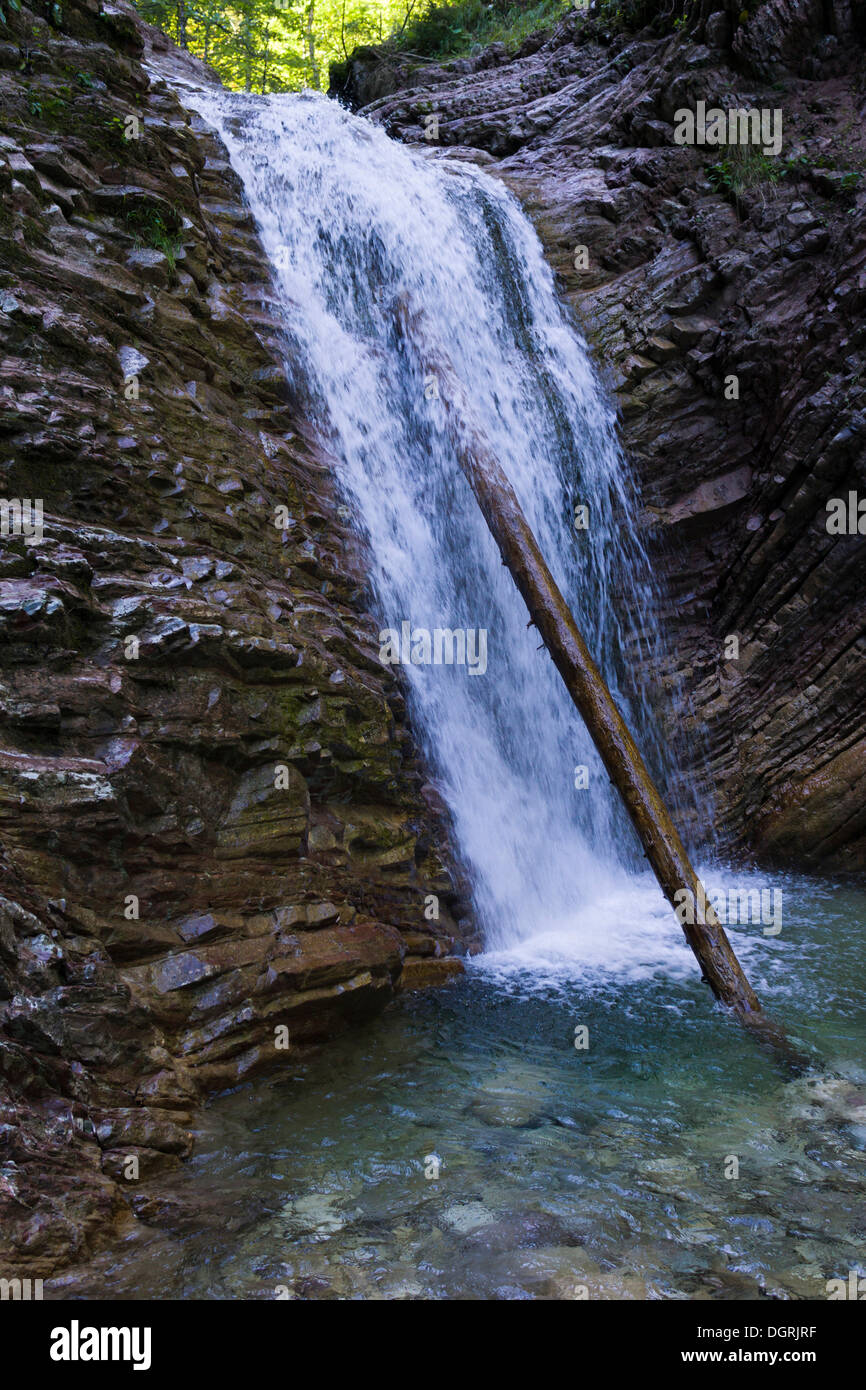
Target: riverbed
[(467, 1145)]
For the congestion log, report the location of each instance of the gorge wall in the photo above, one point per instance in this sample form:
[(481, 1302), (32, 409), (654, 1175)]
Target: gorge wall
[(217, 837), (756, 269)]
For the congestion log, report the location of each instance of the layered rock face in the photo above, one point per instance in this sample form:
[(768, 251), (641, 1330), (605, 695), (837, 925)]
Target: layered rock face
[(724, 291), (218, 843)]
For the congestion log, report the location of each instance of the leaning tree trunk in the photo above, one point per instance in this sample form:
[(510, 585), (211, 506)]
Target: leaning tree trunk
[(551, 616)]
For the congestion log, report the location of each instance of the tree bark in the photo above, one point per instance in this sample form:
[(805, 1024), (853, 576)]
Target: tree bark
[(551, 616), (181, 24), (311, 43)]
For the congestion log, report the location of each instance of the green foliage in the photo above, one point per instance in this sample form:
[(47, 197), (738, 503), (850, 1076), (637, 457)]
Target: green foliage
[(447, 30), (285, 45), (115, 135), (629, 15), (275, 45), (743, 170), (747, 170), (49, 105), (152, 227)]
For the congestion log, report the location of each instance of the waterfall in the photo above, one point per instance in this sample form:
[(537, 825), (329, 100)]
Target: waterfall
[(356, 226)]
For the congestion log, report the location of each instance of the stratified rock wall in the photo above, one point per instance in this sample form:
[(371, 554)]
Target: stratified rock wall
[(754, 270), (216, 837)]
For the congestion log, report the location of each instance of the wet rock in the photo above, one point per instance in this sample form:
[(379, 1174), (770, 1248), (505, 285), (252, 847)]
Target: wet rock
[(507, 1109), (265, 817), (465, 1217), (521, 1231), (152, 266), (197, 926), (133, 1164), (510, 1099), (549, 1272), (429, 973), (318, 1213), (818, 1100)]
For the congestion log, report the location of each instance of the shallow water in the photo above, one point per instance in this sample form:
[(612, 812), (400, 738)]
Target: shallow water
[(562, 1173)]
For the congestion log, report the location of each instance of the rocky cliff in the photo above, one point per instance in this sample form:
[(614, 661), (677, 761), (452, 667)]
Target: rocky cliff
[(218, 842), (723, 290)]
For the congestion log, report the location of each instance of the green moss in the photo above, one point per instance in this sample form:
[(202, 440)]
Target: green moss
[(35, 234)]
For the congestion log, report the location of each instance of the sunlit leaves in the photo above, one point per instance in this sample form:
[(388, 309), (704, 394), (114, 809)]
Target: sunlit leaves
[(275, 45)]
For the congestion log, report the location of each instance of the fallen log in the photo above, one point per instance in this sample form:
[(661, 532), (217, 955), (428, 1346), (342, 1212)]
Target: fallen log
[(552, 617)]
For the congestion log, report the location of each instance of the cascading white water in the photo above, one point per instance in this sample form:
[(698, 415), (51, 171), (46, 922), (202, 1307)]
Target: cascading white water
[(356, 226)]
